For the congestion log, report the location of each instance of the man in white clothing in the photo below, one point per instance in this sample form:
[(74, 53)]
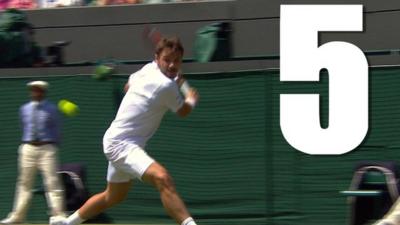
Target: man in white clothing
[(151, 92)]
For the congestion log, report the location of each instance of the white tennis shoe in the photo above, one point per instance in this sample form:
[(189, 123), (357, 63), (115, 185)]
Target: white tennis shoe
[(10, 220)]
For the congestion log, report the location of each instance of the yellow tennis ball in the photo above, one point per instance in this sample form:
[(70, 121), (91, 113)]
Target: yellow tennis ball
[(68, 108), (102, 72)]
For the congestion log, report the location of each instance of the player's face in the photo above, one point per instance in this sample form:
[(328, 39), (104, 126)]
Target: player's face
[(37, 94), (169, 62)]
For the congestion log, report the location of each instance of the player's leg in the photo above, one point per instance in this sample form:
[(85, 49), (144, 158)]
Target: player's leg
[(54, 189), (137, 164), (119, 183), (114, 194), (119, 180), (23, 190), (159, 177), (98, 203)]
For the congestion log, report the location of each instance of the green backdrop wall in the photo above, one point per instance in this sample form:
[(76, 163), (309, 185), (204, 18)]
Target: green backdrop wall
[(229, 159)]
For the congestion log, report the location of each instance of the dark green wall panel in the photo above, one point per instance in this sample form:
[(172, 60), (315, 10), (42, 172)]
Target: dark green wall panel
[(229, 159)]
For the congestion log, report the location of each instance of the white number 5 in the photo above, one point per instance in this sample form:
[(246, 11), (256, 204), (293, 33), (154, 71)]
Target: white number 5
[(302, 60)]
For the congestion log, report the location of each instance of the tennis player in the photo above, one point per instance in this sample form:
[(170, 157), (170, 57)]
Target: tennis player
[(151, 92)]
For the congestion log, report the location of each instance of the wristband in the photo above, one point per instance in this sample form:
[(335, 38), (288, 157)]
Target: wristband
[(185, 87)]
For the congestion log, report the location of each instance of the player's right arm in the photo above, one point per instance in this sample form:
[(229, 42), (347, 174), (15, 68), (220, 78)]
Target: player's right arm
[(182, 105), (190, 102)]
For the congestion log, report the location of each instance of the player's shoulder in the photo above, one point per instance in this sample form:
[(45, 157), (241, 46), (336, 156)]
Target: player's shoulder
[(25, 105), (146, 69), (150, 67)]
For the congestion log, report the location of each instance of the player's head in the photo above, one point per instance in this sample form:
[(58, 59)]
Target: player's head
[(38, 89), (169, 54)]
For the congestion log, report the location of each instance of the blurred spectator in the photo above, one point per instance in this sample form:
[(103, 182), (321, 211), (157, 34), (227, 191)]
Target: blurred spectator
[(17, 45), (18, 4), (3, 4), (33, 4), (156, 1), (117, 2), (22, 4), (60, 3), (167, 1)]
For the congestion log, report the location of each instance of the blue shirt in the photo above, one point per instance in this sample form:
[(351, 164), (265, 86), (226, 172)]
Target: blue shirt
[(47, 122)]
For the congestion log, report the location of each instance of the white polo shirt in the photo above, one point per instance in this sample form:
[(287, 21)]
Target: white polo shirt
[(149, 97)]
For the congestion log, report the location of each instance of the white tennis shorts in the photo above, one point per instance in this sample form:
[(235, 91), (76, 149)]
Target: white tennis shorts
[(132, 165)]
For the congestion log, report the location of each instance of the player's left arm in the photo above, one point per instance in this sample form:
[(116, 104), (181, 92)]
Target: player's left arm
[(126, 87), (129, 82)]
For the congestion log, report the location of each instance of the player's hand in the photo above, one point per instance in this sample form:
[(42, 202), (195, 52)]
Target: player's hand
[(193, 94)]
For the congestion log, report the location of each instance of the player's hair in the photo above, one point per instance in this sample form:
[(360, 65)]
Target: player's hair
[(172, 43)]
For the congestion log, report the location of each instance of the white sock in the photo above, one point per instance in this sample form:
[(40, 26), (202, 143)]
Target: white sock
[(188, 221), (74, 219)]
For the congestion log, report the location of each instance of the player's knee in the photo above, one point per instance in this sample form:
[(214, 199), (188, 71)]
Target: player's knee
[(52, 184), (25, 183), (164, 181)]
